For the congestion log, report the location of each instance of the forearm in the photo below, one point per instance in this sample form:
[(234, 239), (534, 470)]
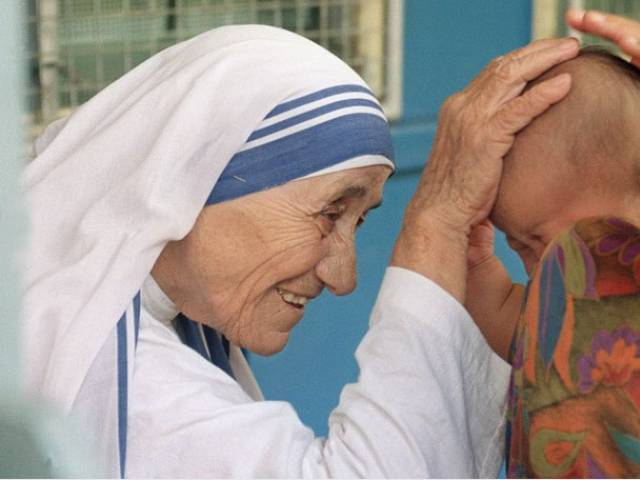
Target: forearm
[(494, 301), (476, 128), (434, 249), (429, 384)]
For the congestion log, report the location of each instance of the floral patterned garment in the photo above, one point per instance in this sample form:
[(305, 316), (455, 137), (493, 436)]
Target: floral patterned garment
[(574, 398)]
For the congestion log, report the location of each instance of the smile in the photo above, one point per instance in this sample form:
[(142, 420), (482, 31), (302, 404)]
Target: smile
[(292, 299)]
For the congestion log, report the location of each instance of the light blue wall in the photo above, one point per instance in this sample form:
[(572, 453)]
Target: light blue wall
[(446, 43)]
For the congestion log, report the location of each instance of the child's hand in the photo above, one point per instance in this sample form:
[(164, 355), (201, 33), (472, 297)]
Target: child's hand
[(480, 244), (492, 300)]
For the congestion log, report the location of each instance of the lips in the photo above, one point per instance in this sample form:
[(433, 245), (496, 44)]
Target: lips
[(295, 300)]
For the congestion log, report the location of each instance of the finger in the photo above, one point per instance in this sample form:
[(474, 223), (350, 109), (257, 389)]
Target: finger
[(481, 233), (621, 30), (486, 223), (536, 46), (501, 62), (521, 111), (510, 79), (574, 18), (534, 64), (631, 46)]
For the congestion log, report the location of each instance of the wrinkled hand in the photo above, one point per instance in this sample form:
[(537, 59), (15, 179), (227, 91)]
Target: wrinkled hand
[(476, 129), (623, 31)]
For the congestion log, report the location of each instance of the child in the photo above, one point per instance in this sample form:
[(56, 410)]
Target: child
[(574, 400)]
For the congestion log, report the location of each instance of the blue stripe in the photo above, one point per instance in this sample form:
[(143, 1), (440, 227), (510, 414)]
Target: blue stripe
[(219, 355), (122, 392), (191, 335), (303, 117), (136, 315), (312, 97), (302, 153)]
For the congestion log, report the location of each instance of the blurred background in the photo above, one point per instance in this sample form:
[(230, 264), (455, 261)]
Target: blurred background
[(56, 54)]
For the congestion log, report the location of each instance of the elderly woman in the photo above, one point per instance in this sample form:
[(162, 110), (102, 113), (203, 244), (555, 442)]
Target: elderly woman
[(197, 204)]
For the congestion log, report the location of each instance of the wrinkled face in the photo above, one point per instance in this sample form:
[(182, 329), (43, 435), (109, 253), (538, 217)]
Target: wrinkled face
[(539, 200), (250, 265)]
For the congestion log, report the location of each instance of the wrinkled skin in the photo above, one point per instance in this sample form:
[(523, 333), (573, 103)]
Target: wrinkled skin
[(230, 272), (476, 130)]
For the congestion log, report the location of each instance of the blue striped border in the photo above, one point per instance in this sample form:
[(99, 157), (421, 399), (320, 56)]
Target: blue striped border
[(136, 315), (302, 153), (303, 117), (122, 392), (219, 357), (191, 336), (320, 94)]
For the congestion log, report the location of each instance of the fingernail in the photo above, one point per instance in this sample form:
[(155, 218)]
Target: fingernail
[(632, 41), (570, 43), (577, 13), (596, 17)]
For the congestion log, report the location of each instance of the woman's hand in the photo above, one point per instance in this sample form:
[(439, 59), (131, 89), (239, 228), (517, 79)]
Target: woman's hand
[(475, 130), (623, 31), (477, 127)]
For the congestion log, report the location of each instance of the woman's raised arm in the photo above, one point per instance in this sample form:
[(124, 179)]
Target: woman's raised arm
[(476, 129)]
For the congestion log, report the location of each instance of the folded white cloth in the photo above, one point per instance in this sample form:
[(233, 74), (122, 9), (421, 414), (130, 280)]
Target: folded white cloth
[(131, 169)]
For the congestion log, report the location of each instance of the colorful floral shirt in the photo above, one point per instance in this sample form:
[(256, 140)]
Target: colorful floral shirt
[(574, 398)]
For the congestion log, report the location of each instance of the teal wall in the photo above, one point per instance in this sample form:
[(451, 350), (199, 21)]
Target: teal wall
[(446, 43)]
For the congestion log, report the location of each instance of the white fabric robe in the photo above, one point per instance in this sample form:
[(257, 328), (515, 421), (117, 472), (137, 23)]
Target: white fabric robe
[(429, 402)]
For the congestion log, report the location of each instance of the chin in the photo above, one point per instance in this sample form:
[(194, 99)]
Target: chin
[(269, 344)]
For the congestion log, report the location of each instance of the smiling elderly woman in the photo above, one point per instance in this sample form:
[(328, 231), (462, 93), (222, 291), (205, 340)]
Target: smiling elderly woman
[(293, 241), (138, 299)]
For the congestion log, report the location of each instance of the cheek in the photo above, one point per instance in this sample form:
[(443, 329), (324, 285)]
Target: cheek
[(259, 262), (300, 259), (246, 303)]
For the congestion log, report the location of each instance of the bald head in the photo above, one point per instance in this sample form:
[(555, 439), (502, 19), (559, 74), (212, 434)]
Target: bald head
[(595, 130), (580, 158)]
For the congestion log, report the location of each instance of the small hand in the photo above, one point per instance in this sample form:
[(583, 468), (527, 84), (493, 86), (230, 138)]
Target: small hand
[(480, 244), (623, 31)]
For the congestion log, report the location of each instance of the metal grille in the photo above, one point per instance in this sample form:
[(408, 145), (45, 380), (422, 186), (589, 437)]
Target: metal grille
[(77, 47)]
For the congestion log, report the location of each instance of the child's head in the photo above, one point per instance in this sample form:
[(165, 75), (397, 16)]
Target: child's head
[(580, 158)]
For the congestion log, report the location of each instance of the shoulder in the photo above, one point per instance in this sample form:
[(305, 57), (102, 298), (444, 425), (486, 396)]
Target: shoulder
[(593, 259)]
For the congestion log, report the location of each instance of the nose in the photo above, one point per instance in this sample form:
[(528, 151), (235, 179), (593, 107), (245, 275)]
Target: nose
[(337, 270)]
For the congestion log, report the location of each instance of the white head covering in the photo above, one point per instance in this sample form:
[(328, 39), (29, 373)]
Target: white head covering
[(131, 169)]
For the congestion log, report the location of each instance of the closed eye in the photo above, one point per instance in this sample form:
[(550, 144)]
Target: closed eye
[(333, 212)]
